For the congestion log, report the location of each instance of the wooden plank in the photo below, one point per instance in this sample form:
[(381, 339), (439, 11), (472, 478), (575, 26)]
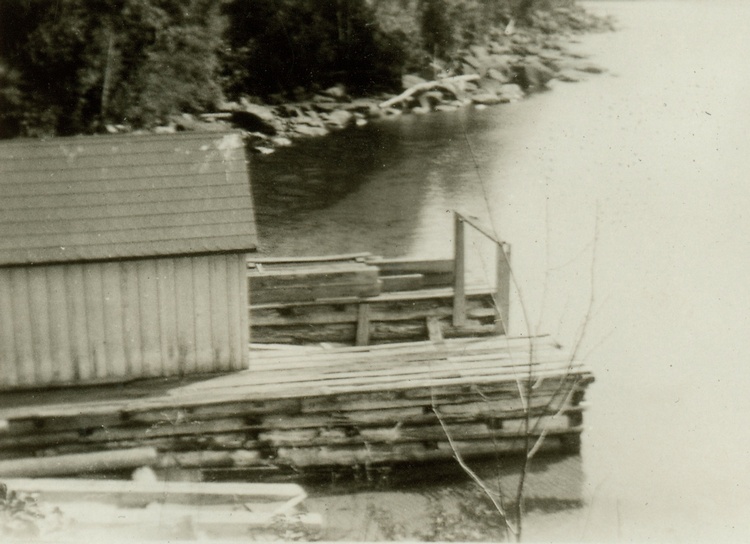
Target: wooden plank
[(401, 282), (129, 492), (313, 292), (434, 331), (502, 287), (459, 280), (220, 317), (400, 296), (22, 326), (238, 302), (202, 305), (148, 317), (113, 319), (78, 463), (40, 324), (166, 293), (80, 358), (93, 296), (9, 375), (363, 324), (309, 259), (185, 308), (131, 316)]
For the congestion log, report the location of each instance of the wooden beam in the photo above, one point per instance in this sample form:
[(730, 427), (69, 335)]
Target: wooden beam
[(363, 324), (434, 330), (502, 288), (459, 263), (79, 463)]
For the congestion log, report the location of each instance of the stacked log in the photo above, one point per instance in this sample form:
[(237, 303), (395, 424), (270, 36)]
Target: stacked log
[(298, 410)]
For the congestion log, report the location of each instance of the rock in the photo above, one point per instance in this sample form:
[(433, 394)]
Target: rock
[(590, 68), (473, 61), (491, 84), (497, 75), (339, 118), (252, 123), (337, 91), (306, 130), (469, 69), (281, 141), (260, 111), (511, 92), (167, 129), (487, 98), (568, 76), (321, 98), (536, 74), (409, 80)]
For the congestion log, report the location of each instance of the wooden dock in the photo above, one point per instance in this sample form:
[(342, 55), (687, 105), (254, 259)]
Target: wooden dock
[(300, 409), (355, 361)]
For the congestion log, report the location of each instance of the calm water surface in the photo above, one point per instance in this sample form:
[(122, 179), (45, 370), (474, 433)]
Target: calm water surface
[(633, 186)]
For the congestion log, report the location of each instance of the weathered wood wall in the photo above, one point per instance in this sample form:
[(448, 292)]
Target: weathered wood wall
[(92, 322)]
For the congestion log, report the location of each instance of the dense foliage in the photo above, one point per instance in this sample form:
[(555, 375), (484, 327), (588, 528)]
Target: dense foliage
[(73, 66)]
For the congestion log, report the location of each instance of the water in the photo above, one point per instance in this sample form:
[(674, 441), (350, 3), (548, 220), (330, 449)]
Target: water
[(632, 184)]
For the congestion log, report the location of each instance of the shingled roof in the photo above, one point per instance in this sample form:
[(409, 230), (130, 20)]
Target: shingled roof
[(114, 197)]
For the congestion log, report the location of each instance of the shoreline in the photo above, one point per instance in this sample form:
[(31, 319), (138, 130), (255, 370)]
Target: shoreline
[(511, 64)]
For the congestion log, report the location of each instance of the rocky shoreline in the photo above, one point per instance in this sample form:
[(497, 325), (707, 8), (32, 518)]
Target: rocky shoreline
[(513, 63)]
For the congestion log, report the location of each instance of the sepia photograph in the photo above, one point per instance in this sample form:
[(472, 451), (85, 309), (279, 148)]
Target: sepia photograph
[(374, 271)]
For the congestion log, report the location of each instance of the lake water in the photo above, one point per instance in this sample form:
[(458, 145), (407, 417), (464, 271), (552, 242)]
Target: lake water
[(627, 193)]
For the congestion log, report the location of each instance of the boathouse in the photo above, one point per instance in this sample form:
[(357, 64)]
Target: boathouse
[(123, 257)]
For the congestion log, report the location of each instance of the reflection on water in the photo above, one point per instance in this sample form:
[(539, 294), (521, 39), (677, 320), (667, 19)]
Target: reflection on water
[(657, 148), (439, 503)]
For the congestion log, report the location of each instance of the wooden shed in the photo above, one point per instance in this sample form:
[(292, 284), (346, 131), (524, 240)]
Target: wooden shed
[(123, 257)]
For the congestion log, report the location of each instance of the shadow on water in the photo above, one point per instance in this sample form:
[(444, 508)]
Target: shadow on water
[(439, 502), (373, 188)]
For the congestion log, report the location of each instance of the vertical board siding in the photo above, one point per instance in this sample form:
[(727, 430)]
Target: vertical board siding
[(7, 336), (40, 330), (202, 293), (24, 356), (84, 323), (59, 323), (165, 287), (128, 274), (185, 310), (150, 332), (113, 320), (243, 309)]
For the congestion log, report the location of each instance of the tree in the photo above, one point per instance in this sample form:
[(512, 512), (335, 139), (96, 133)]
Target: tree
[(76, 65)]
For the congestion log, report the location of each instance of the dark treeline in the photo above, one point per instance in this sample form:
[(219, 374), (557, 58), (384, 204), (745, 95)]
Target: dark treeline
[(75, 66)]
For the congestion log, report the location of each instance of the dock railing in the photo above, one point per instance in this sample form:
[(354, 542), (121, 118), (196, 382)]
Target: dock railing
[(502, 273)]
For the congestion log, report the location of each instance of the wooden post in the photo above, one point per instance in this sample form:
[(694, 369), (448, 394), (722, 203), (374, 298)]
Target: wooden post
[(363, 324), (502, 288), (459, 269)]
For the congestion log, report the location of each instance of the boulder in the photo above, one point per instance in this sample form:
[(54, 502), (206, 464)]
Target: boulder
[(473, 61), (486, 98), (568, 76), (339, 118), (535, 74), (589, 68), (337, 91), (511, 92), (255, 118), (497, 75), (306, 130), (491, 84)]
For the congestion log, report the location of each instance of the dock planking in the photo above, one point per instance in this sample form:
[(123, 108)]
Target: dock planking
[(299, 409)]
